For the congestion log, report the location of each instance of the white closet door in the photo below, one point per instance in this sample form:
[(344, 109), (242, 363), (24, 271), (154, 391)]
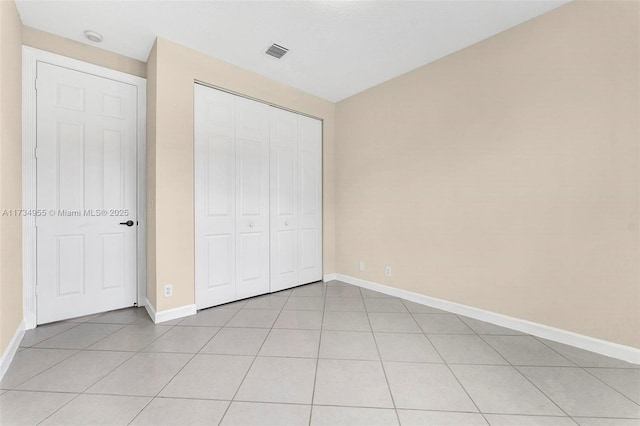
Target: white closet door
[(310, 205), (258, 198), (284, 199), (231, 150), (215, 196), (252, 200), (296, 199)]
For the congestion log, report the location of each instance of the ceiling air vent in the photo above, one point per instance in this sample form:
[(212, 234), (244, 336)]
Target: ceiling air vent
[(276, 51)]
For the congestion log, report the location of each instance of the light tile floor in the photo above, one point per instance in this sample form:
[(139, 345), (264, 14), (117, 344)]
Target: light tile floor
[(320, 354)]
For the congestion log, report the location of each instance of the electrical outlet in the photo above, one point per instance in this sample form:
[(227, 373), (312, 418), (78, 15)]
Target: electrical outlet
[(387, 271), (361, 265), (168, 290)]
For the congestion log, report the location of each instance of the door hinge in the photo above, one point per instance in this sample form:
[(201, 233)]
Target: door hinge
[(35, 152), (36, 84)]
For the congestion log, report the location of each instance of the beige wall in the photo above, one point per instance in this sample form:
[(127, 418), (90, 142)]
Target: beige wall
[(83, 52), (505, 176), (10, 172), (176, 68), (152, 82)]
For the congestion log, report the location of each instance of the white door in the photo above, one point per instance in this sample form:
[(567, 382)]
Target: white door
[(310, 196), (284, 200), (214, 196), (86, 184), (296, 199), (252, 201), (231, 149)]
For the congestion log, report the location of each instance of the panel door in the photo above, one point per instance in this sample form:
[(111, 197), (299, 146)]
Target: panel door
[(310, 199), (215, 196), (86, 184), (252, 183), (284, 199), (231, 150)]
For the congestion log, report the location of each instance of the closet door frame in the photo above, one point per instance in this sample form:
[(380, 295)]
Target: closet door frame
[(321, 121)]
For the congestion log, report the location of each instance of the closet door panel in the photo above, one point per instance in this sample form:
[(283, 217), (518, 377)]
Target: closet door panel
[(219, 260), (284, 199), (252, 195), (285, 164), (215, 199), (310, 196)]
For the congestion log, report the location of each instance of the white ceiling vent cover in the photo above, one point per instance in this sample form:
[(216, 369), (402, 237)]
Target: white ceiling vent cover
[(276, 51)]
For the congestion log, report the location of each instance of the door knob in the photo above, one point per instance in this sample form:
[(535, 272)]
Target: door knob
[(128, 223), (286, 223), (251, 225)]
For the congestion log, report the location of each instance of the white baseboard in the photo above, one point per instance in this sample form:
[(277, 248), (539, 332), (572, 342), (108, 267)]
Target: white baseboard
[(603, 347), (329, 277), (169, 314), (10, 352), (150, 310)]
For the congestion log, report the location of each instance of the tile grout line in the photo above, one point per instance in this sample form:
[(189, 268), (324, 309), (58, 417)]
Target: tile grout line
[(135, 353), (449, 368), (185, 364), (59, 408), (99, 340), (384, 371), (516, 369), (543, 341), (608, 385), (193, 355), (528, 380), (132, 354), (77, 351), (254, 358), (84, 392), (50, 337), (91, 344), (165, 385), (315, 376), (593, 375), (332, 358)]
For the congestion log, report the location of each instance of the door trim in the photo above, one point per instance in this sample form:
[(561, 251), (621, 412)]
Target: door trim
[(30, 59)]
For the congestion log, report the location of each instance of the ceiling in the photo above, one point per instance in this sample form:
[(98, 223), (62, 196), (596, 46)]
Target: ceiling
[(336, 48)]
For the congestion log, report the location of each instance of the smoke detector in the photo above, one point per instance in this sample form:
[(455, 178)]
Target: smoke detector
[(93, 36), (276, 51)]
